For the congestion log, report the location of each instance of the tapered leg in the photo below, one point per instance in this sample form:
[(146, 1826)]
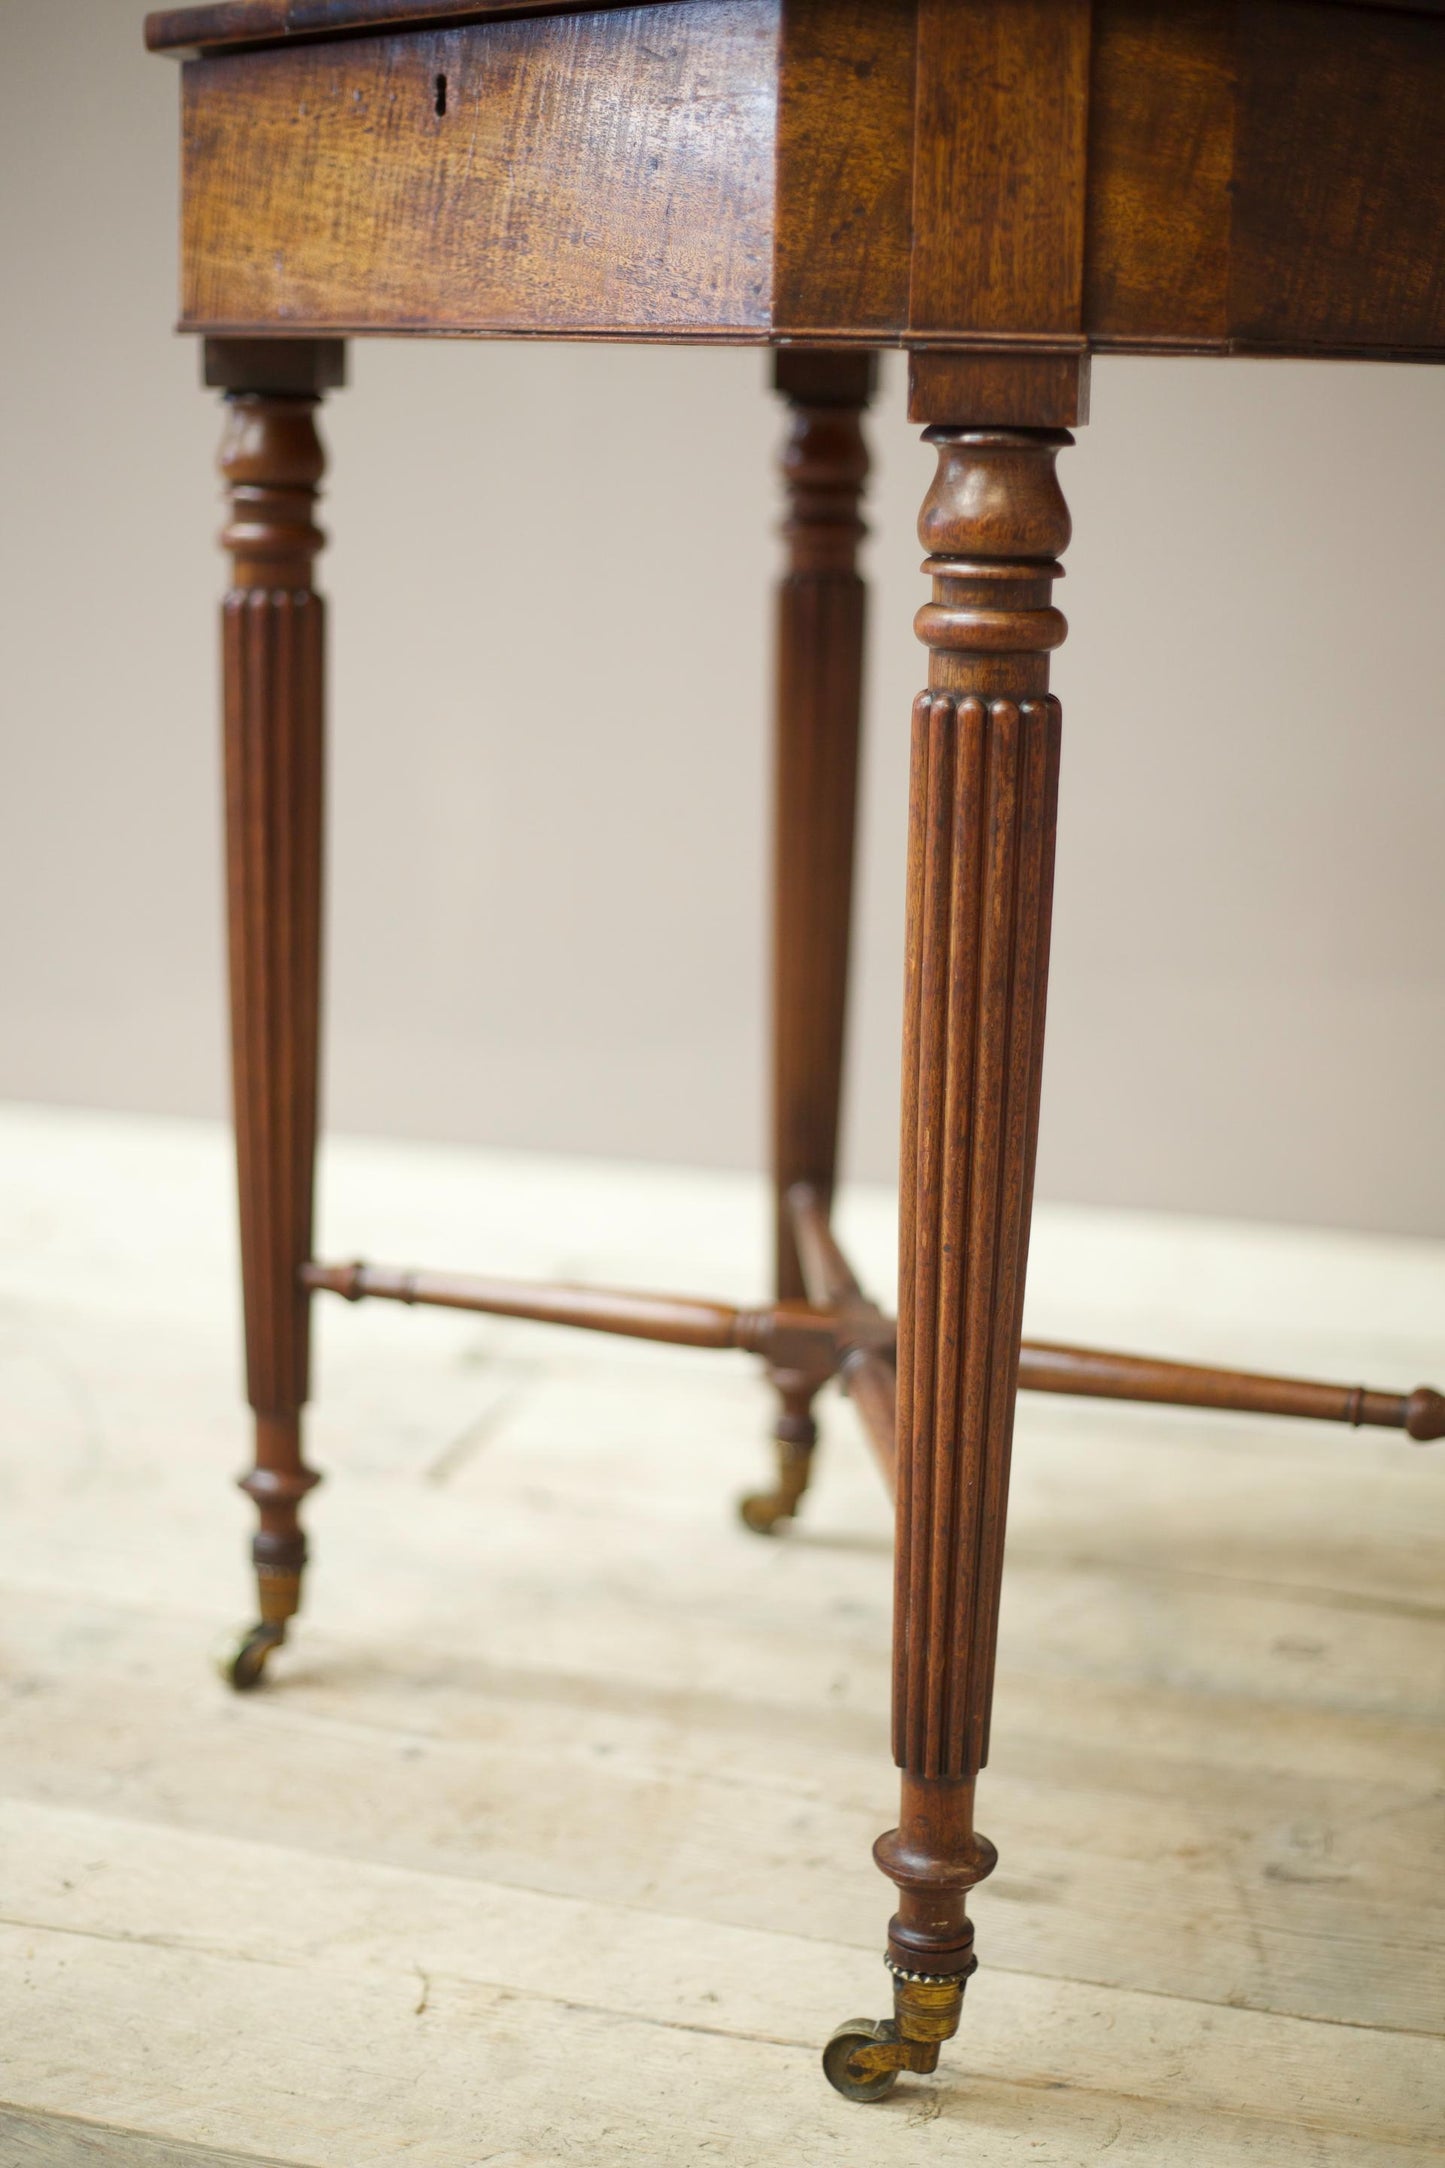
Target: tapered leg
[(272, 650), (820, 627), (981, 849)]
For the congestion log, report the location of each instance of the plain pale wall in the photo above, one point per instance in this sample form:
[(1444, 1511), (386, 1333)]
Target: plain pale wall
[(550, 759)]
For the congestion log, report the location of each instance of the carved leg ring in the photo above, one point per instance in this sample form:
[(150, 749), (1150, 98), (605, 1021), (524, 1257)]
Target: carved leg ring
[(981, 846)]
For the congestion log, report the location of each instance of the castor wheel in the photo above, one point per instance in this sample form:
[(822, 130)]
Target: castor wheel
[(765, 1512), (244, 1668), (863, 2059), (851, 2061)]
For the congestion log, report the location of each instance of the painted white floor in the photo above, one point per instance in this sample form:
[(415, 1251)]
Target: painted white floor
[(549, 1842)]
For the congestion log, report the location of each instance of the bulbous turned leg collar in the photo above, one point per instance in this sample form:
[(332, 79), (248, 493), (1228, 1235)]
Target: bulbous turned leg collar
[(930, 1937)]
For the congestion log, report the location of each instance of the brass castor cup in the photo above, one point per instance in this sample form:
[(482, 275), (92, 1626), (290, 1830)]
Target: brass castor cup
[(243, 1670), (278, 1584), (864, 2057), (765, 1512)]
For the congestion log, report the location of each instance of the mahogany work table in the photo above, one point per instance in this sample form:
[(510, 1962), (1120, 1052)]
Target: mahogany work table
[(1002, 188)]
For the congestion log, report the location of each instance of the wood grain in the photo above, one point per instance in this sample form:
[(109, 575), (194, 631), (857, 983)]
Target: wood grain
[(791, 1337), (1007, 390), (273, 655), (867, 1370), (348, 2072), (999, 166), (385, 1863), (821, 605), (280, 368), (1267, 176), (1039, 176), (235, 23), (981, 826), (1262, 175), (35, 2140), (845, 166), (1213, 1837), (1218, 1715), (243, 22), (1161, 163), (590, 172), (1047, 1367), (985, 768), (817, 718), (1340, 214)]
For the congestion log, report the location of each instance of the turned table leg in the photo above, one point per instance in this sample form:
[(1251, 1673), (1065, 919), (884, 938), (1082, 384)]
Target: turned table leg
[(272, 674), (981, 852), (820, 627)]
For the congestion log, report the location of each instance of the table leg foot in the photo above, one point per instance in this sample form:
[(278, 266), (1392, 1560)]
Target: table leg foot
[(864, 2057), (244, 1668), (795, 1436)]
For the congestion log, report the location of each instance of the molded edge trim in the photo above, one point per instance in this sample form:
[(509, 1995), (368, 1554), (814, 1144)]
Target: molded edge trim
[(232, 23)]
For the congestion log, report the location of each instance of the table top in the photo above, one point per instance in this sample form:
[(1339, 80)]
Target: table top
[(254, 22)]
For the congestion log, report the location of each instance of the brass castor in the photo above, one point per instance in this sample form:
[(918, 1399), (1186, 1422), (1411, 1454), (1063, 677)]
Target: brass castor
[(852, 2064), (765, 1512), (243, 1670), (863, 2058)]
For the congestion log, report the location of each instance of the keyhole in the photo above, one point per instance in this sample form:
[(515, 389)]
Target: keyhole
[(441, 97)]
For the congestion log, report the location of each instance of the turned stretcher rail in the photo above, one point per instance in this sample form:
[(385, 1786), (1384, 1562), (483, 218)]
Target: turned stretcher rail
[(827, 1274), (1096, 1373), (780, 1332), (866, 1336), (1093, 1373), (852, 1337), (676, 1318)]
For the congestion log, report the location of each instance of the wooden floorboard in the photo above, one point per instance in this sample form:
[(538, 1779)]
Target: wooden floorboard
[(1256, 1886), (29, 2139), (550, 1841)]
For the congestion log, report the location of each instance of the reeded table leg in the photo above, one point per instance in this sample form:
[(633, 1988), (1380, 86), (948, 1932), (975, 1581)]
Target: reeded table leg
[(272, 645), (981, 853), (820, 626)]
